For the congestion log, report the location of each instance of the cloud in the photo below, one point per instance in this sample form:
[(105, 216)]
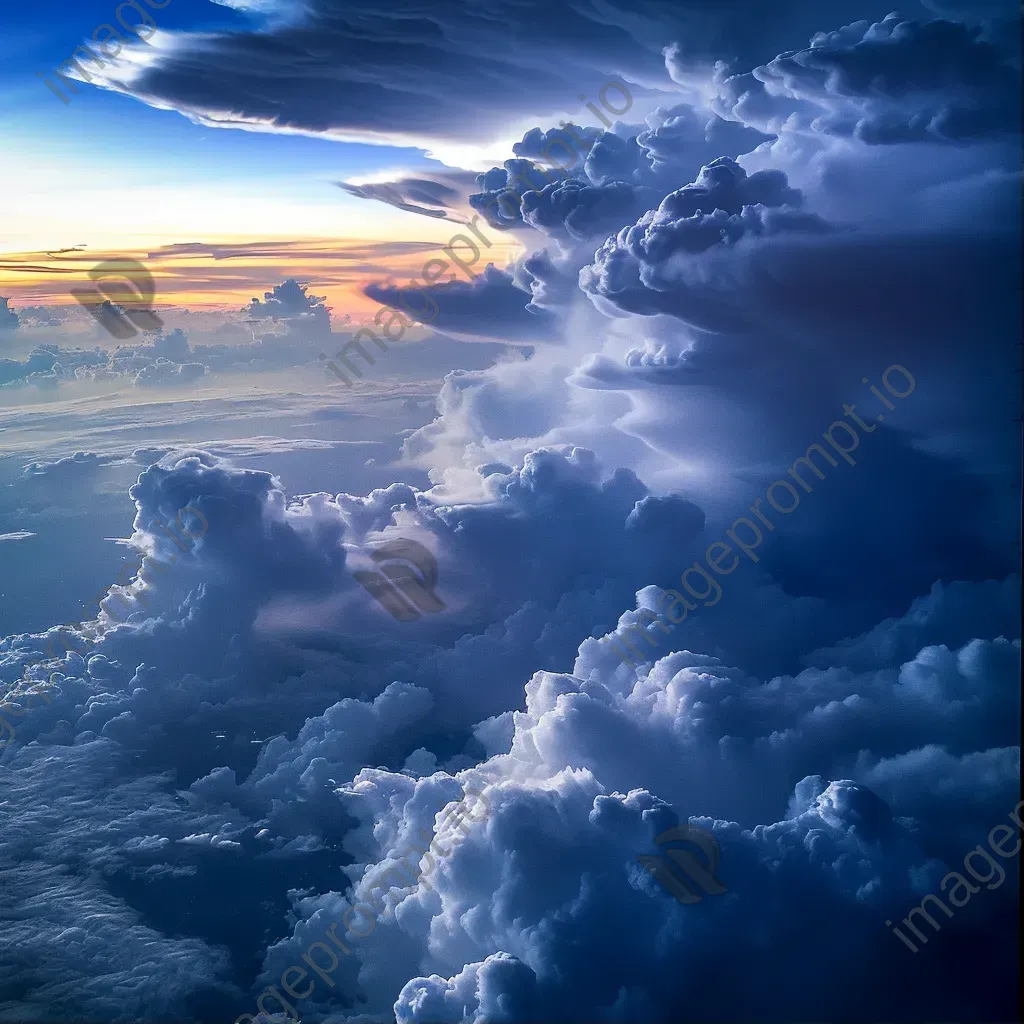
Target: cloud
[(413, 76), (597, 763), (8, 318), (81, 463), (48, 364), (602, 180), (79, 950), (892, 82), (165, 373), (353, 251), (500, 925), (296, 329), (638, 268), (289, 301), (584, 211), (439, 197), (490, 306), (565, 148)]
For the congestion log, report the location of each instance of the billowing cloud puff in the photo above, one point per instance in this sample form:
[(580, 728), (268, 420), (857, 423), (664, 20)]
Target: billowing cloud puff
[(538, 923), (289, 301), (679, 141), (565, 147), (601, 181), (502, 189), (516, 917), (583, 211), (250, 537), (892, 82), (549, 284), (635, 268), (670, 151), (582, 185)]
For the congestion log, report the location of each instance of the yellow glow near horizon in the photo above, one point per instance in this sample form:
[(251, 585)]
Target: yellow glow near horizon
[(212, 234), (226, 274), (67, 196)]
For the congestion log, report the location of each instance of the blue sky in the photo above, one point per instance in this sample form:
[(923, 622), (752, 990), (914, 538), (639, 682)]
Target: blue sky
[(107, 169)]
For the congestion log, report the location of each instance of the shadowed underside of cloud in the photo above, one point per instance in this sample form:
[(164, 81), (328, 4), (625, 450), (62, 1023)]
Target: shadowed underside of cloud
[(891, 82), (8, 318), (440, 196), (490, 306), (412, 72)]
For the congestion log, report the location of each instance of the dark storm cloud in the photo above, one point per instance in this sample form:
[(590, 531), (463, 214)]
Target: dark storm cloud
[(721, 208), (546, 554), (490, 305), (583, 211), (568, 815), (613, 177), (445, 70), (568, 184), (895, 81), (565, 148), (502, 189)]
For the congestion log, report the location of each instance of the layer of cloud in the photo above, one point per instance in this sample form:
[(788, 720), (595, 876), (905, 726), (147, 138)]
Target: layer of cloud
[(415, 75)]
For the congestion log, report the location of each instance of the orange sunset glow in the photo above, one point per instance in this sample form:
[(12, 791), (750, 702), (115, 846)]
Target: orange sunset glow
[(228, 273)]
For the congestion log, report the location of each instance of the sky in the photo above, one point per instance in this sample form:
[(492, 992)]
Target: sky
[(104, 171), (510, 511)]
